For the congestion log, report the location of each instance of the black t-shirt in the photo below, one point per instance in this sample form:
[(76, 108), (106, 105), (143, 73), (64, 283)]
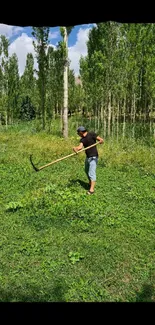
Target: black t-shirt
[(88, 140)]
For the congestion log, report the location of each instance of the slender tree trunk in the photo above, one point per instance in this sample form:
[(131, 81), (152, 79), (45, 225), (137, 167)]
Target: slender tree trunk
[(61, 119), (150, 117), (124, 117), (12, 119), (146, 108), (95, 117), (98, 119), (105, 123), (53, 112), (145, 114), (109, 112), (113, 118), (117, 132), (56, 109), (6, 120), (153, 130), (43, 107), (134, 115), (102, 114), (131, 112), (65, 110)]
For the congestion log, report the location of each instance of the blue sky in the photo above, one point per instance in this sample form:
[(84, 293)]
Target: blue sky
[(55, 32), (21, 42)]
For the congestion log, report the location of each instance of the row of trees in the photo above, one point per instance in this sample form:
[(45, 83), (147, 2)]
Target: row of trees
[(45, 93), (117, 75)]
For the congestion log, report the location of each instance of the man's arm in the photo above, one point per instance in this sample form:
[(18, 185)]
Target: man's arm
[(99, 139), (76, 149)]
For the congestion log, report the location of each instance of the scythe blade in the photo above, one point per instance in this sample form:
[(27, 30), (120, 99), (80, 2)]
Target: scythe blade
[(34, 167)]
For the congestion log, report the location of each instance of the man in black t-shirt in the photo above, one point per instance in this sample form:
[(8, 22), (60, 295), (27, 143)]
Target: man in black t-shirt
[(87, 139)]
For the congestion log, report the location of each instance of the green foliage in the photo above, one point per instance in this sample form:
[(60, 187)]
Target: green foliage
[(40, 45), (28, 91), (14, 206), (117, 77), (68, 28), (62, 32), (27, 111), (13, 88), (75, 257), (4, 58), (117, 74)]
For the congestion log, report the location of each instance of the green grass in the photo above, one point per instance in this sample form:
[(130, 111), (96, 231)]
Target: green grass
[(57, 243)]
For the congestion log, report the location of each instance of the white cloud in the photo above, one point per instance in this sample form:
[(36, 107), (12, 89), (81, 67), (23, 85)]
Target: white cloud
[(78, 49), (88, 25), (9, 31), (53, 35), (22, 46)]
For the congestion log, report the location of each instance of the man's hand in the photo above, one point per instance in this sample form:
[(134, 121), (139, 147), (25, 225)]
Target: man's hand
[(75, 150), (100, 139)]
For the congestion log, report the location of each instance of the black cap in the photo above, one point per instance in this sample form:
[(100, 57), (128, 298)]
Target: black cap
[(81, 129)]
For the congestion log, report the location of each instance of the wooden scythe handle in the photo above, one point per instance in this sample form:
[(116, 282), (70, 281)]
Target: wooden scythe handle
[(57, 160)]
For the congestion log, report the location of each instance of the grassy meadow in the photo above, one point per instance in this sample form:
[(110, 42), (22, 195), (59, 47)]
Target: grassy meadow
[(58, 244)]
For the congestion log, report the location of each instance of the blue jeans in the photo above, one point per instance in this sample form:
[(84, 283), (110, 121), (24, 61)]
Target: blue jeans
[(90, 168)]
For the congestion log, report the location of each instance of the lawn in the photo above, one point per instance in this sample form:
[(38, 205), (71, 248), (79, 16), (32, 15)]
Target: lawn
[(59, 244)]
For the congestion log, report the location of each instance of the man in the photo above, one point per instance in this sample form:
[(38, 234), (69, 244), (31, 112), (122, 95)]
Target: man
[(87, 139)]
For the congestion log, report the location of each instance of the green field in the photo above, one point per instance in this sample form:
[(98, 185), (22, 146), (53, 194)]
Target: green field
[(59, 244)]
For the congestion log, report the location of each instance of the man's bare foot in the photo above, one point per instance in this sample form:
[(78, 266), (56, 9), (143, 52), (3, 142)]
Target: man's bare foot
[(89, 192)]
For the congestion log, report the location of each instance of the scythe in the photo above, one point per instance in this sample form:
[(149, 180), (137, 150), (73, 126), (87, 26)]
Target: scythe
[(57, 160)]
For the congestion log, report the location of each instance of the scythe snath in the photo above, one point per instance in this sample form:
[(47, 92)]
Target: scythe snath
[(57, 160)]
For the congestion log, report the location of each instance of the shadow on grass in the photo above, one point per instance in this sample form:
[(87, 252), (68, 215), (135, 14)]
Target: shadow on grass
[(31, 293), (147, 294), (77, 181)]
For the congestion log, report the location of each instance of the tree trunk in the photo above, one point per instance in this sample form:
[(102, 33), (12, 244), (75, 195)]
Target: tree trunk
[(95, 117), (6, 120), (42, 108), (113, 118), (61, 120), (150, 117), (98, 119), (124, 117), (153, 130), (105, 124), (109, 112), (134, 115), (117, 121), (102, 114), (56, 109), (65, 110)]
